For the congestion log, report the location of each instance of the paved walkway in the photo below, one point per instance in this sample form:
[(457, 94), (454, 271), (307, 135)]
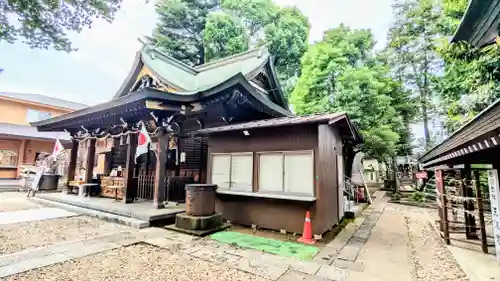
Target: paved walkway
[(33, 215), (377, 246), (269, 266), (39, 257)]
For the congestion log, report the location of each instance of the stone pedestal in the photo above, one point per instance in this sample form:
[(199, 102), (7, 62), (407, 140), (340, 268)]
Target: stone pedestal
[(198, 223), (200, 218)]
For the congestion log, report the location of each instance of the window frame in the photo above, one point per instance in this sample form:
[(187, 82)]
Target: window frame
[(283, 153), (16, 152), (38, 114), (251, 154)]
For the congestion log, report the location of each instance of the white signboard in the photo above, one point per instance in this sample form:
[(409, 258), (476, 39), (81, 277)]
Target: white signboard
[(36, 180), (495, 208)]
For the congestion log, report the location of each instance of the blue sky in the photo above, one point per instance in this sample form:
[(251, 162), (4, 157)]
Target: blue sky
[(106, 52)]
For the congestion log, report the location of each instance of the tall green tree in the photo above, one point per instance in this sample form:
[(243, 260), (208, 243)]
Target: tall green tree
[(284, 30), (45, 24), (179, 32), (471, 82), (223, 36), (339, 74), (403, 103), (471, 76), (253, 14), (286, 36), (199, 31), (412, 47)]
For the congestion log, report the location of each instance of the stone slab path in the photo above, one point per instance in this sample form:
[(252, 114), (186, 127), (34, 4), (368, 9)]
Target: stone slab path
[(33, 215), (39, 257), (338, 266), (377, 246)]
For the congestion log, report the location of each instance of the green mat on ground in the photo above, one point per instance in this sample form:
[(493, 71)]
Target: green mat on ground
[(282, 248)]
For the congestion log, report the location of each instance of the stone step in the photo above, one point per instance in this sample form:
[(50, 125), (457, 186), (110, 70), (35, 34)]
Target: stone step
[(135, 223), (9, 188)]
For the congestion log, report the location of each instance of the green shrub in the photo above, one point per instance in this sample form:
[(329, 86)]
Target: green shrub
[(418, 196)]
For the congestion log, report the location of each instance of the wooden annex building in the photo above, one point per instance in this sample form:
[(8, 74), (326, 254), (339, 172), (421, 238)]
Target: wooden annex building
[(179, 105), (271, 172), (468, 161)]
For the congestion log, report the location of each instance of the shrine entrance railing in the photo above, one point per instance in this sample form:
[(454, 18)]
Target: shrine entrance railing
[(174, 186)]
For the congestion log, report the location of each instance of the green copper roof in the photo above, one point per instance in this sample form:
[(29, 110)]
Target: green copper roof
[(480, 24), (194, 79)]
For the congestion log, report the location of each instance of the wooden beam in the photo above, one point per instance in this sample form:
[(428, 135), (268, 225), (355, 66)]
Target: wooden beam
[(72, 161), (20, 157), (158, 105), (444, 209), (161, 167), (130, 185), (89, 169), (480, 207), (440, 188), (470, 221)]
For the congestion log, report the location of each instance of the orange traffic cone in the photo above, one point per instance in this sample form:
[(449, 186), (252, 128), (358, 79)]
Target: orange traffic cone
[(307, 233)]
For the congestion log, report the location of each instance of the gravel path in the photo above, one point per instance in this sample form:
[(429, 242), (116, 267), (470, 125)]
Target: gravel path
[(15, 201), (137, 262), (21, 236), (431, 259)]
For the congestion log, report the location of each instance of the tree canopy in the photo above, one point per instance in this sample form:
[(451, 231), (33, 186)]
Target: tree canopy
[(341, 74), (412, 45), (197, 32), (179, 31), (417, 75), (471, 76), (45, 24)]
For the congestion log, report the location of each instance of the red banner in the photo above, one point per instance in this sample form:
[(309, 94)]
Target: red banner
[(421, 175)]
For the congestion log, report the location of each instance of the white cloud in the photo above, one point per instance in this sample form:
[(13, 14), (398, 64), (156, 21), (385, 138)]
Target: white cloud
[(106, 51), (325, 14), (112, 47)]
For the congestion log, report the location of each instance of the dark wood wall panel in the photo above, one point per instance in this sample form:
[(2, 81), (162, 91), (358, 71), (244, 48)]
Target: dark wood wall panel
[(329, 146), (195, 149), (284, 214), (271, 139), (265, 213)]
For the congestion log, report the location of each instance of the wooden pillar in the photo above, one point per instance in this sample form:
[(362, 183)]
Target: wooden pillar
[(463, 191), (130, 186), (89, 169), (480, 207), (160, 174), (444, 206), (470, 221), (20, 156), (72, 161)]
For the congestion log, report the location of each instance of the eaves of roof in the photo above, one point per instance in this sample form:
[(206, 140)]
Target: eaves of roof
[(480, 24)]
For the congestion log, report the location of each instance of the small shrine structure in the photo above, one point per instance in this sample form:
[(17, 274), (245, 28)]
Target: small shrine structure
[(172, 100)]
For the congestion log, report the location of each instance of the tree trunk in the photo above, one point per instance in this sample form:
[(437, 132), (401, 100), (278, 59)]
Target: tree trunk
[(395, 174), (425, 118)]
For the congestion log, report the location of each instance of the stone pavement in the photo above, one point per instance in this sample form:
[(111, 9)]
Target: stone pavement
[(33, 215), (39, 257), (477, 265), (266, 265), (342, 259), (372, 248)]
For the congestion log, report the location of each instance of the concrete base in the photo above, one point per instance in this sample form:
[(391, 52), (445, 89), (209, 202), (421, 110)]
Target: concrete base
[(198, 232), (134, 223), (144, 211), (198, 226), (186, 221)]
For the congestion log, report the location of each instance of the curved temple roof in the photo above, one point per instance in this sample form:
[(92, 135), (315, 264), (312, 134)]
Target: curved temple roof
[(480, 24), (188, 80)]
